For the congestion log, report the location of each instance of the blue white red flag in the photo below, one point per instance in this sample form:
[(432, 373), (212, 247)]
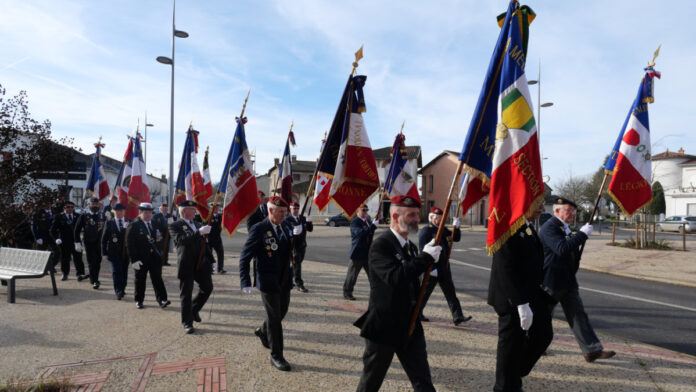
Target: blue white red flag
[(189, 183), (124, 176), (207, 183), (96, 182), (322, 185), (238, 182), (400, 180), (285, 171), (138, 191), (630, 161)]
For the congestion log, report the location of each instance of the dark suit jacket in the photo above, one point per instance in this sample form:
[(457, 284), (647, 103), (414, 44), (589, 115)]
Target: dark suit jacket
[(91, 224), (113, 241), (273, 270), (561, 255), (41, 225), (516, 272), (360, 238), (159, 222), (188, 248), (215, 236), (60, 228), (259, 214), (427, 233), (301, 240), (394, 288), (141, 244)]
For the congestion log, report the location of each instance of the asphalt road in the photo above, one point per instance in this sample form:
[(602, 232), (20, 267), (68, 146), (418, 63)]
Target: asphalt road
[(659, 314)]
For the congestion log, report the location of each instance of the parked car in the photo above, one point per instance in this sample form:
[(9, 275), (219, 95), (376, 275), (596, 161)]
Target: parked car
[(678, 223), (337, 220)]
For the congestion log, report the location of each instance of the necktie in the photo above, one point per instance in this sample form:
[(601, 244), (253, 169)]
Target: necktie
[(279, 231), (149, 228), (120, 226)]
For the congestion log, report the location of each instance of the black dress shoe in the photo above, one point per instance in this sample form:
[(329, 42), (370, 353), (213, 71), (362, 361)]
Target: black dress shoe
[(65, 277), (95, 285), (80, 278), (166, 264), (424, 319), (280, 364), (461, 319), (139, 305), (119, 296), (222, 272), (601, 354), (302, 289), (164, 304), (262, 337), (188, 328), (197, 317), (349, 297)]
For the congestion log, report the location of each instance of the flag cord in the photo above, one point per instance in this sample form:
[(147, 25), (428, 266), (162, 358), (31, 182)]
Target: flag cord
[(438, 237)]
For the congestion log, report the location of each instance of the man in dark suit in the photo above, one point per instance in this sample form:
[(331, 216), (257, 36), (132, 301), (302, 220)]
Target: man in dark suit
[(215, 240), (160, 221), (441, 273), (395, 266), (260, 213), (524, 320), (561, 263), (63, 233), (192, 266), (145, 257), (92, 224), (300, 226), (269, 242), (113, 247), (362, 230), (41, 228)]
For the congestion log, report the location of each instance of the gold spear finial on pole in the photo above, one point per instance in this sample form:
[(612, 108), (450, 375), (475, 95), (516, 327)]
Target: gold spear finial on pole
[(657, 53), (291, 124), (402, 127), (358, 56), (241, 116)]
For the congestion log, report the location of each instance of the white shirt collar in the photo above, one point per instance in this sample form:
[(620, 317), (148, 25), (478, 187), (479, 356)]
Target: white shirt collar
[(401, 239)]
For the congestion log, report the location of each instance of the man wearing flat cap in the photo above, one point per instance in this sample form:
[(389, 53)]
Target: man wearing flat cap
[(192, 265), (269, 242), (63, 233), (145, 257), (361, 232), (90, 226), (113, 247), (561, 264), (441, 273), (394, 267), (300, 226)]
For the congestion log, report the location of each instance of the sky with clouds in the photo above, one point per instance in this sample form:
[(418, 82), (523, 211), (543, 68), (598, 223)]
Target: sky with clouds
[(89, 67)]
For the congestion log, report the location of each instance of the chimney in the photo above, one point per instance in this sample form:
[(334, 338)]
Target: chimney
[(681, 150), (276, 161), (293, 158), (164, 177)]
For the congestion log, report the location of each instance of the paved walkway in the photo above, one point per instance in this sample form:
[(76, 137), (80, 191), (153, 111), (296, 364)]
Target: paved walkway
[(109, 345)]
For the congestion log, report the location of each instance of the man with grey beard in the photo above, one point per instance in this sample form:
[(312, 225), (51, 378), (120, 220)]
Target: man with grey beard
[(394, 266)]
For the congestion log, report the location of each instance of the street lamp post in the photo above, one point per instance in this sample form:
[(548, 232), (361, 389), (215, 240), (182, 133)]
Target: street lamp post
[(170, 61), (539, 106), (147, 124)]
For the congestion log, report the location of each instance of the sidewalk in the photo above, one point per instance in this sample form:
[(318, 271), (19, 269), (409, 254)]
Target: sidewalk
[(113, 346)]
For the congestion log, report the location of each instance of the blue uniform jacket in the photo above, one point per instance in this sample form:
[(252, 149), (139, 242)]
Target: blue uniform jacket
[(360, 238), (273, 269), (561, 255), (427, 233), (113, 242)]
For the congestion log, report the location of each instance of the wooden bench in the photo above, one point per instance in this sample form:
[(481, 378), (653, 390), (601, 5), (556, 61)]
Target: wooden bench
[(24, 264)]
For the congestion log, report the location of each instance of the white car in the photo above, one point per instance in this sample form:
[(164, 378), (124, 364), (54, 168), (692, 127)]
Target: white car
[(678, 223)]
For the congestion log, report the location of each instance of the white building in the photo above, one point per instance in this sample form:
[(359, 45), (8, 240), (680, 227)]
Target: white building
[(676, 172)]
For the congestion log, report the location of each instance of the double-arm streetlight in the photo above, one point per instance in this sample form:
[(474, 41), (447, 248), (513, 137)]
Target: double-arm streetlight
[(170, 61), (539, 106)]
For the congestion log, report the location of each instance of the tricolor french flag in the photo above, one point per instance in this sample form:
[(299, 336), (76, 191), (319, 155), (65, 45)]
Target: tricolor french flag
[(138, 192), (190, 183), (399, 180), (285, 171), (96, 183)]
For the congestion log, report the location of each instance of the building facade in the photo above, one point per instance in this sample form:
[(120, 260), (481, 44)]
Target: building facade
[(676, 172)]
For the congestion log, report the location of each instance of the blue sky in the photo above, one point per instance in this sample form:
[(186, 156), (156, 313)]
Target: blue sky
[(89, 67)]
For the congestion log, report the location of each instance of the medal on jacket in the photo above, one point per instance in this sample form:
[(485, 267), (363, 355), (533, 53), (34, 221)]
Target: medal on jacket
[(528, 231), (115, 240), (274, 246), (91, 221)]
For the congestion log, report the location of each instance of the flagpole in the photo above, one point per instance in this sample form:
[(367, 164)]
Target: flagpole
[(217, 194), (389, 174), (451, 240), (312, 181), (438, 237)]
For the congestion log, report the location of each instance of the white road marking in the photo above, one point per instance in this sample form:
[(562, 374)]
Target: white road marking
[(650, 301), (475, 248), (459, 250)]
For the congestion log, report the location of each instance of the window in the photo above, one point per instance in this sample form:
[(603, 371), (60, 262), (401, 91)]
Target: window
[(432, 183)]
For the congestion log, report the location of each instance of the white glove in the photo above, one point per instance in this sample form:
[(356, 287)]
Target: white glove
[(204, 230), (309, 218), (587, 229), (455, 222), (526, 316), (214, 266), (374, 223), (137, 265), (246, 290), (39, 241), (78, 247), (59, 241), (432, 249), (104, 258), (108, 215), (433, 273), (125, 224), (297, 230)]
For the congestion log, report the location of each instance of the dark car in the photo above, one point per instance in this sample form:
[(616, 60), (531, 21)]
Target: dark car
[(337, 220)]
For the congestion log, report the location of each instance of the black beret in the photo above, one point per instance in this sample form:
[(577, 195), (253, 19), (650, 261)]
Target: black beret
[(93, 200), (119, 206), (187, 203), (563, 200)]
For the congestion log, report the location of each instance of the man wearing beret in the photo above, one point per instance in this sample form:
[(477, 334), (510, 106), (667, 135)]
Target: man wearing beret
[(113, 247), (300, 226), (395, 265), (63, 233), (269, 242), (192, 266), (361, 232), (441, 273), (91, 223), (514, 292), (145, 257), (561, 263)]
